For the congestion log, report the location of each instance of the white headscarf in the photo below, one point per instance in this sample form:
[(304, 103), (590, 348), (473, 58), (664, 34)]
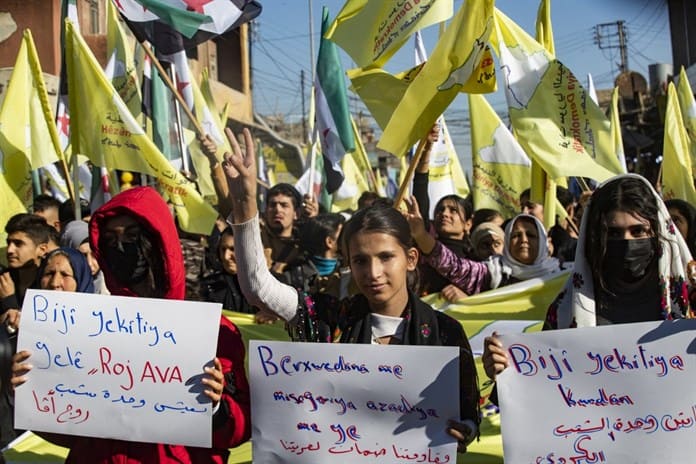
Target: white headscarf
[(576, 307), (505, 265)]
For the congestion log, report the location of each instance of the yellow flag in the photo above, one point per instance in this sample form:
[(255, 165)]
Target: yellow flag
[(553, 118), (543, 189), (544, 31), (26, 120), (381, 91), (15, 187), (28, 135), (458, 62), (687, 104), (370, 32), (103, 129), (616, 136), (353, 185), (445, 174), (120, 68), (677, 177), (361, 159), (501, 168)]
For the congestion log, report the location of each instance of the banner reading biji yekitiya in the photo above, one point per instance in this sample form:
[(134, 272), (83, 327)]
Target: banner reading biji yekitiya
[(117, 367), (602, 394)]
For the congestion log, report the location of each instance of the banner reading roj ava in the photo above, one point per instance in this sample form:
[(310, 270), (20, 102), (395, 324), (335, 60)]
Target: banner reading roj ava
[(117, 367)]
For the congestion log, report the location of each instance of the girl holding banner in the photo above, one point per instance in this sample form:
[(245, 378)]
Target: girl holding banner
[(630, 266), (383, 260)]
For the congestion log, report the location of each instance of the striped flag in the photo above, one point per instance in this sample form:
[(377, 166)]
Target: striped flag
[(332, 115), (196, 20)]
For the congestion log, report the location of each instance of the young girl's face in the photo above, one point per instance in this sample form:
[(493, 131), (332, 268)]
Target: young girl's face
[(380, 266), (449, 220), (622, 225)]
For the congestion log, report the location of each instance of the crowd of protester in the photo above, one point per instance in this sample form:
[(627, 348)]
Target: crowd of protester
[(353, 277)]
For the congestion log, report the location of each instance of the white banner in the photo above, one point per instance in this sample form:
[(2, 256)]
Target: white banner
[(614, 394), (345, 403), (117, 367)]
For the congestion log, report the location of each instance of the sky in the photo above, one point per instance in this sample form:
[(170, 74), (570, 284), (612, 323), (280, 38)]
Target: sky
[(281, 50)]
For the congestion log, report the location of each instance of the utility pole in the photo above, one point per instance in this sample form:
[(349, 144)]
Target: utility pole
[(613, 35), (304, 113)]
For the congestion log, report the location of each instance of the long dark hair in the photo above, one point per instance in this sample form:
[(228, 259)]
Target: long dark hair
[(689, 212), (628, 194), (383, 220)]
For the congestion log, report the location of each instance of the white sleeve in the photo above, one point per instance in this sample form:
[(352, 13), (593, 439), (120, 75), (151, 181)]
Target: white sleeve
[(259, 286)]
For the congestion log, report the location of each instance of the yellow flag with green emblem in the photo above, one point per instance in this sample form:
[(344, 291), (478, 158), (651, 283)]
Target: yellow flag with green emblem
[(501, 168), (553, 117), (370, 32), (460, 61), (103, 128), (677, 177)]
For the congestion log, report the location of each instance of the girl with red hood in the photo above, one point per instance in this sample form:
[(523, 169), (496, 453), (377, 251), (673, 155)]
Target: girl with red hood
[(136, 244)]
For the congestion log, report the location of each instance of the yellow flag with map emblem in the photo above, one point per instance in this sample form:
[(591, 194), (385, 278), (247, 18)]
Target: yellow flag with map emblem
[(553, 117), (370, 32), (103, 129), (460, 61), (501, 168)]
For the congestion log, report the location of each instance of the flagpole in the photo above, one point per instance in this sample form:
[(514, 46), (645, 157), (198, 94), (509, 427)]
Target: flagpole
[(197, 125), (411, 170)]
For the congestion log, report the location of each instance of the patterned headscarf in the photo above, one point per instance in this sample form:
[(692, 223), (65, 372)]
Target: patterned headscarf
[(575, 306)]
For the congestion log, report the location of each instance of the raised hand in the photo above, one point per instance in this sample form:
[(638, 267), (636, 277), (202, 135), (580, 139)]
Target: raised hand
[(240, 168), (423, 239)]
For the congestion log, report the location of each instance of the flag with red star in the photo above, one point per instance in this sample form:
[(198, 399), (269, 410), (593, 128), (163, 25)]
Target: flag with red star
[(196, 20)]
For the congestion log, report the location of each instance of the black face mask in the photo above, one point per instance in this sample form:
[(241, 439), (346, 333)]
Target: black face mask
[(629, 260), (127, 262)]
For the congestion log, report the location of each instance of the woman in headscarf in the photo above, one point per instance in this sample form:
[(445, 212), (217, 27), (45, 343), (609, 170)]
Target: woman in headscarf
[(683, 215), (488, 240), (76, 235), (65, 269), (525, 255)]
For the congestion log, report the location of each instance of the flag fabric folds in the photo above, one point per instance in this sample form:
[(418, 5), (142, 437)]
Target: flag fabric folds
[(459, 61), (677, 177), (28, 135), (687, 104), (553, 118), (196, 21), (501, 168), (26, 119), (616, 136), (120, 68), (104, 129), (333, 125), (372, 31), (445, 174)]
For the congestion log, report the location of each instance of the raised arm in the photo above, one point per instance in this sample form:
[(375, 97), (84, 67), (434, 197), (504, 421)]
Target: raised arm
[(258, 285)]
